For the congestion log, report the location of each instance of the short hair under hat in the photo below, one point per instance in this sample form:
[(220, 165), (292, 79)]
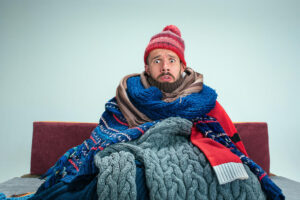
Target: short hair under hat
[(169, 38)]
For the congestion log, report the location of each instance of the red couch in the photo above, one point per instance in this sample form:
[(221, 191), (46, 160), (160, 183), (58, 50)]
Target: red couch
[(52, 139)]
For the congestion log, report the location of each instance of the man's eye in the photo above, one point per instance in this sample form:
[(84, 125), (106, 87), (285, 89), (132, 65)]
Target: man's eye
[(156, 61), (172, 60)]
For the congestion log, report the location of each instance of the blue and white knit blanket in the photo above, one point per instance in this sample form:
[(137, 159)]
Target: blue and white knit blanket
[(79, 160)]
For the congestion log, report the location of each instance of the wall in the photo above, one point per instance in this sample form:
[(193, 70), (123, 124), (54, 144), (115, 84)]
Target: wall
[(62, 60)]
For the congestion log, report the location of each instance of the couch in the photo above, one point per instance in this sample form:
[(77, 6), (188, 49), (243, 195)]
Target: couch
[(55, 138)]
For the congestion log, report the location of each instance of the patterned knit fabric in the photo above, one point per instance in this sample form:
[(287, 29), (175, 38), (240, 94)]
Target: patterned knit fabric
[(79, 160)]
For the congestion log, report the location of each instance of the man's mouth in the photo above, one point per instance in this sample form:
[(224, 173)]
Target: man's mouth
[(166, 77)]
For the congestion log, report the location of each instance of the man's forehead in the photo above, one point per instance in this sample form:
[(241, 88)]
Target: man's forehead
[(156, 53)]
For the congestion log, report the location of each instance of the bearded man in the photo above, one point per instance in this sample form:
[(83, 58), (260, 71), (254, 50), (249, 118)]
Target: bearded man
[(166, 127)]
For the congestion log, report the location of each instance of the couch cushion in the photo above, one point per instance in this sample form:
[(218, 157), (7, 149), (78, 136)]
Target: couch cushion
[(290, 188), (20, 186)]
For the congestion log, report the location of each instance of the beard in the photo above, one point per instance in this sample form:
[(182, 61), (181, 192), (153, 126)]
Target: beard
[(166, 86), (169, 74)]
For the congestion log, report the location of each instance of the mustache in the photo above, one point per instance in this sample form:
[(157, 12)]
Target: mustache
[(166, 73)]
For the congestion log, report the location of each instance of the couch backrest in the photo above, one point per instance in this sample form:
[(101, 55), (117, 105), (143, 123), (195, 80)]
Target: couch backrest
[(256, 140), (52, 139)]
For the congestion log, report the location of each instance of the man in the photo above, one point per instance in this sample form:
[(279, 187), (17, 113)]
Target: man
[(166, 89)]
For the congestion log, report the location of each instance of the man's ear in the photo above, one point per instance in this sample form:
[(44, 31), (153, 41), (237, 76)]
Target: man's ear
[(183, 67), (147, 69)]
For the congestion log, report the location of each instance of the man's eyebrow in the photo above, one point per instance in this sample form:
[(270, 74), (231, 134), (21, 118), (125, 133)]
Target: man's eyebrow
[(171, 56), (155, 57)]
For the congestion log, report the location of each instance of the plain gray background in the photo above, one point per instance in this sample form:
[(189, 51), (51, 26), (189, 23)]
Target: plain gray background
[(62, 60)]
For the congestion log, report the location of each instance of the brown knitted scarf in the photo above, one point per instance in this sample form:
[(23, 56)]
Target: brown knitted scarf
[(192, 83)]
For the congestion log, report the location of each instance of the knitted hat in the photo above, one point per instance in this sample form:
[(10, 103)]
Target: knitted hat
[(169, 38)]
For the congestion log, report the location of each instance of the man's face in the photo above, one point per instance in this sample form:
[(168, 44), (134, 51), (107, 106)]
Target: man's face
[(164, 66)]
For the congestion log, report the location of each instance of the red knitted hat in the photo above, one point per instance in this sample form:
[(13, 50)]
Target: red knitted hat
[(169, 38)]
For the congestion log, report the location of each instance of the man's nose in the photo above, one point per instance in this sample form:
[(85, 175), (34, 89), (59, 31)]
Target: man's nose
[(165, 66)]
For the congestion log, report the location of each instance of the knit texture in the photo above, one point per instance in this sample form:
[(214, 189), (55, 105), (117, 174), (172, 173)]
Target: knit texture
[(188, 107), (117, 171), (175, 169)]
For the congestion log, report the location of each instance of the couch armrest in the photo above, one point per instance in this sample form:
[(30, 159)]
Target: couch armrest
[(52, 139)]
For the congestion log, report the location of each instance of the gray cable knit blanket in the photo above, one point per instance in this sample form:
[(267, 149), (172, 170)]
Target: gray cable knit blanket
[(174, 168)]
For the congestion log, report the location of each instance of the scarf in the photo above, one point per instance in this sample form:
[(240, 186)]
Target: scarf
[(192, 83), (225, 157), (115, 125)]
